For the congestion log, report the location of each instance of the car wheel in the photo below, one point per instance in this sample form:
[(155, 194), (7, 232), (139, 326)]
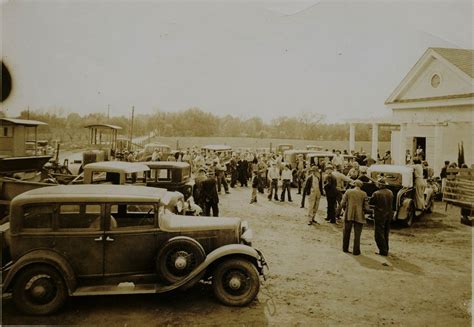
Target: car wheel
[(235, 282), (408, 222), (39, 290), (178, 258)]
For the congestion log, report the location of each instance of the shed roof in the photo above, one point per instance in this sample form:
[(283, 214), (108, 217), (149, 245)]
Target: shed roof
[(103, 126), (117, 167), (23, 122)]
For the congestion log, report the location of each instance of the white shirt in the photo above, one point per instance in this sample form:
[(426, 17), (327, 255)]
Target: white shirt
[(273, 173), (286, 174)]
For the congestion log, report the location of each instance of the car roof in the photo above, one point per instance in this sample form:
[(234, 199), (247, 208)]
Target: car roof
[(216, 147), (157, 145), (400, 169), (166, 164), (117, 167), (91, 193), (321, 154), (292, 151)]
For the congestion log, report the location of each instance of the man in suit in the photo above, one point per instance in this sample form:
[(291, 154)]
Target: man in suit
[(330, 188), (205, 193), (382, 201), (354, 203), (313, 188)]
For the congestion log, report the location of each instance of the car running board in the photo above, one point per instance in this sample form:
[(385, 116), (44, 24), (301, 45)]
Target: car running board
[(122, 288)]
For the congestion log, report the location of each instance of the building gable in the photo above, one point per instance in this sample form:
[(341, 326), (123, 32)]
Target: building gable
[(433, 77)]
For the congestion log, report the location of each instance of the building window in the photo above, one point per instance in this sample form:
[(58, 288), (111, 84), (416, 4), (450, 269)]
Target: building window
[(435, 80)]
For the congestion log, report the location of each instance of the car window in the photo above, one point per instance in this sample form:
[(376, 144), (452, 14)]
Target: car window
[(133, 215), (186, 173), (161, 174), (37, 217), (390, 178), (79, 216)]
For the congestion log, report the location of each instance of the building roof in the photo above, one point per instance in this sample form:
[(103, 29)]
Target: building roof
[(217, 147), (23, 122), (103, 126), (461, 58)]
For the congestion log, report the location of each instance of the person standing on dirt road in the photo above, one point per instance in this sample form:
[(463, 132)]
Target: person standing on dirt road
[(355, 204), (330, 189), (313, 188), (273, 177), (286, 177), (382, 201)]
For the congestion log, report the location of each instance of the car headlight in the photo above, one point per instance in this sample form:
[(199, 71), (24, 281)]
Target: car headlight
[(247, 237), (244, 226), (180, 206)]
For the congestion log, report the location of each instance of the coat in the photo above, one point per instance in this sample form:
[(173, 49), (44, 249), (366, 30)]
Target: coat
[(382, 201), (309, 184), (331, 186), (355, 204)]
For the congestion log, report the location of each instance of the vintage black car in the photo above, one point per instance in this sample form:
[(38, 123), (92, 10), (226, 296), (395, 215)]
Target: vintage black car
[(171, 175), (77, 240), (400, 181)]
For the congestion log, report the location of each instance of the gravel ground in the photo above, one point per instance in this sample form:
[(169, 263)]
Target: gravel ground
[(425, 281)]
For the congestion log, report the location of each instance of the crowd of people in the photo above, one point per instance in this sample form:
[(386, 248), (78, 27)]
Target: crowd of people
[(342, 182)]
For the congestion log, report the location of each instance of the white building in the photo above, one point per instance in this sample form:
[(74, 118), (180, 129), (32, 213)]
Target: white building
[(434, 105)]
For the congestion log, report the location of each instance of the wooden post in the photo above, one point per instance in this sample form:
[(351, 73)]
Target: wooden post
[(36, 139)]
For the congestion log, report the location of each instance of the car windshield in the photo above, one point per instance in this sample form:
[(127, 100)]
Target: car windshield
[(390, 178)]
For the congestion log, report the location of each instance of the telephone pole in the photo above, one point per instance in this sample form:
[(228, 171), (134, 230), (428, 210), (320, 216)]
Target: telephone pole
[(131, 129)]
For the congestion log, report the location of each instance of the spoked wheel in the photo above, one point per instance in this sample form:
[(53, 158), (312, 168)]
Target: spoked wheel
[(178, 258), (39, 290), (235, 282)]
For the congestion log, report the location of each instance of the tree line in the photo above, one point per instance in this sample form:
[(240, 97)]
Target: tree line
[(69, 128)]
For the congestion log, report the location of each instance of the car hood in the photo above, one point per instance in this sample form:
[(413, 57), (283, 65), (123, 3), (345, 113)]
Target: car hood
[(176, 223)]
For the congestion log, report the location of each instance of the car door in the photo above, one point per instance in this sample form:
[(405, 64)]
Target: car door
[(79, 236), (130, 239)]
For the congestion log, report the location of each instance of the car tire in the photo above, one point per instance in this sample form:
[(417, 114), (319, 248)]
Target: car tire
[(39, 290), (235, 282), (178, 258)]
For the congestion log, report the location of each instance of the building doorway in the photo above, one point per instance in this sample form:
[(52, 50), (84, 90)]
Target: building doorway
[(419, 147)]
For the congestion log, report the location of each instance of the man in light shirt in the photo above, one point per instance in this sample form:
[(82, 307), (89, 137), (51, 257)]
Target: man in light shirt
[(273, 176), (286, 177), (338, 159)]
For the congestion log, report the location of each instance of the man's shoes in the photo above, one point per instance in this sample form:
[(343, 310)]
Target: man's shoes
[(282, 200), (290, 200), (327, 219), (315, 222), (310, 223), (276, 199), (346, 251), (356, 253), (382, 254), (301, 206), (333, 222)]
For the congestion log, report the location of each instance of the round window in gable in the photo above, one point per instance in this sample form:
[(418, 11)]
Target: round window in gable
[(435, 80)]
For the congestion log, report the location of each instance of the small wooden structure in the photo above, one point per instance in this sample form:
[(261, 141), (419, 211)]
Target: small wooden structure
[(459, 191), (14, 137), (103, 135)]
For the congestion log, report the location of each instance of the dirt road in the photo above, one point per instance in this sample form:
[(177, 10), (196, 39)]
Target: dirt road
[(426, 280)]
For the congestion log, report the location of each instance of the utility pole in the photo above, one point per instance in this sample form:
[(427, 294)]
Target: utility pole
[(131, 128), (108, 113)]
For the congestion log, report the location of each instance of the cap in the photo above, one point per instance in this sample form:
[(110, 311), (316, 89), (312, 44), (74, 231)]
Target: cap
[(358, 183), (328, 167)]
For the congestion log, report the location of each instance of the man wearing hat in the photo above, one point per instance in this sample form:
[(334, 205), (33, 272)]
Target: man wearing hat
[(354, 202), (313, 188), (330, 188), (382, 201)]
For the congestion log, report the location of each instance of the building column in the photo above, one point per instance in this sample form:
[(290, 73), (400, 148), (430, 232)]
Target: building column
[(402, 144), (351, 137), (438, 146), (375, 140)]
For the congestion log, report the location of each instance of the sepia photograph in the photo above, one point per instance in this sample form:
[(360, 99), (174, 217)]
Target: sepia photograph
[(236, 162)]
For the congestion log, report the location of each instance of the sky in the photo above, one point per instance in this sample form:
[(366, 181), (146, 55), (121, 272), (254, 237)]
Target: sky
[(341, 59)]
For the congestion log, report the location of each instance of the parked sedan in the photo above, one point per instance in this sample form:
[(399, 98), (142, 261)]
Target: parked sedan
[(83, 240), (400, 181)]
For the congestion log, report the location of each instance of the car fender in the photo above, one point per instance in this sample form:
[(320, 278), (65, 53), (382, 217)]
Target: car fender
[(47, 257), (223, 251), (403, 210)]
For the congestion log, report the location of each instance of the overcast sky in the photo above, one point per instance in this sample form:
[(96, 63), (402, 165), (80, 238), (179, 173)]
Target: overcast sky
[(338, 58)]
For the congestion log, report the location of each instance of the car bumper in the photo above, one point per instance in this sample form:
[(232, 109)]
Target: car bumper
[(262, 265)]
